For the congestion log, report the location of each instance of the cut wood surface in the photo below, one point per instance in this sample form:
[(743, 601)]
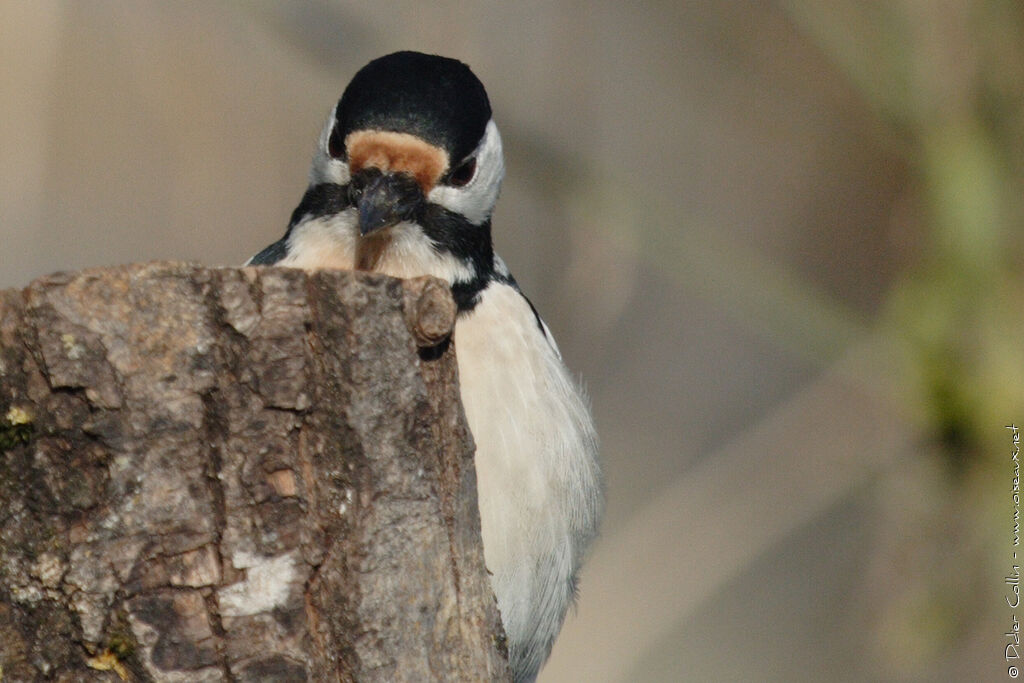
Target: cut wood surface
[(237, 474)]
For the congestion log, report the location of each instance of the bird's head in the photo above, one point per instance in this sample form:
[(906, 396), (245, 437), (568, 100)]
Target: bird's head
[(411, 143)]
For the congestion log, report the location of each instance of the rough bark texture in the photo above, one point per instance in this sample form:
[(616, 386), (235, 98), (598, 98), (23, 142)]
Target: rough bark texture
[(237, 474)]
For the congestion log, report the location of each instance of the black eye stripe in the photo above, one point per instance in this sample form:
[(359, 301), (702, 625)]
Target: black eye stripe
[(336, 143), (463, 173)]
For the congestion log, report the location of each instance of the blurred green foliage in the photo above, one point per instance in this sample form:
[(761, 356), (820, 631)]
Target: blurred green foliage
[(947, 79)]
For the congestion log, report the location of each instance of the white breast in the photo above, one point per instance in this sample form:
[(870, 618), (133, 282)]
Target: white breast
[(538, 478), (334, 242)]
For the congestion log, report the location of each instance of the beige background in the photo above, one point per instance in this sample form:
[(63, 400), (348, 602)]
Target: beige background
[(722, 210)]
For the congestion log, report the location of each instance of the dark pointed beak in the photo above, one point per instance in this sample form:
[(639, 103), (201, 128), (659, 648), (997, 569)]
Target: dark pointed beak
[(384, 199)]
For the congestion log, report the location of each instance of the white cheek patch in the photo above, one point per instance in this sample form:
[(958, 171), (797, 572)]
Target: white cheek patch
[(327, 169), (476, 200)]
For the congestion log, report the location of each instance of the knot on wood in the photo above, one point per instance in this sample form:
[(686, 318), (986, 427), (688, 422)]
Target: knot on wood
[(430, 311)]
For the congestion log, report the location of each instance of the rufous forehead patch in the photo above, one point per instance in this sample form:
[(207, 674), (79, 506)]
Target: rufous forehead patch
[(396, 152)]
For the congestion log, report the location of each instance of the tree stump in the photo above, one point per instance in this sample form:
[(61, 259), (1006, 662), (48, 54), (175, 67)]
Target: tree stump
[(237, 475)]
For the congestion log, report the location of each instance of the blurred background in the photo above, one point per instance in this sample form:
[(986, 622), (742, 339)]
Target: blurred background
[(780, 241)]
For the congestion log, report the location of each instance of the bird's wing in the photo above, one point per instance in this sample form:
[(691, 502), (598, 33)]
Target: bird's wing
[(271, 255)]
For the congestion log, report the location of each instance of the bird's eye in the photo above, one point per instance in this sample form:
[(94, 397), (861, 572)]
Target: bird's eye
[(336, 144), (463, 174)]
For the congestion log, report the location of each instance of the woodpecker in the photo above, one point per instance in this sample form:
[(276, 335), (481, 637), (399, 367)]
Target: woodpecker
[(404, 180)]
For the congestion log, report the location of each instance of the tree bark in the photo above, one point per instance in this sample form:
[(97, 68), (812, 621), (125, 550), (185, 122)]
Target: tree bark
[(239, 475)]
